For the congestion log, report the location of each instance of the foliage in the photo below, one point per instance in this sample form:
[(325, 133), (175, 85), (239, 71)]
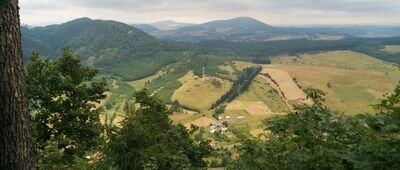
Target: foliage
[(314, 137), (62, 94), (149, 140), (315, 94)]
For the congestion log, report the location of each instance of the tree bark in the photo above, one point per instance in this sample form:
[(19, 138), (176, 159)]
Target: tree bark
[(16, 149)]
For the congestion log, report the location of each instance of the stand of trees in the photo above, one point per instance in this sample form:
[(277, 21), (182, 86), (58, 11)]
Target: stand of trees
[(149, 140), (238, 86)]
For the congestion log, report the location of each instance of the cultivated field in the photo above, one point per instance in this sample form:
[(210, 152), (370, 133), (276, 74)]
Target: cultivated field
[(251, 107), (392, 48), (347, 60), (291, 92), (200, 93), (355, 80), (350, 91)]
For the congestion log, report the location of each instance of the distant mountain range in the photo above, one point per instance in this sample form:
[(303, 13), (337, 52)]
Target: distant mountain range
[(246, 29)]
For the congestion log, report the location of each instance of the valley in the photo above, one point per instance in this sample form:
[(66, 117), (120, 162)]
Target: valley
[(225, 79), (353, 82)]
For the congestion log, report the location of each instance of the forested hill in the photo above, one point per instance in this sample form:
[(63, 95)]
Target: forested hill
[(114, 47)]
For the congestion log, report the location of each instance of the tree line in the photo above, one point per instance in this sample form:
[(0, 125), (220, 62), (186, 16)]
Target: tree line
[(239, 86)]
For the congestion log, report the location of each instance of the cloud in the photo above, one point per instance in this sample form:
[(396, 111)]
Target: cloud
[(272, 11)]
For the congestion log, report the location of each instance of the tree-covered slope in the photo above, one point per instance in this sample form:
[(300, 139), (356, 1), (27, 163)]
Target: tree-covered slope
[(114, 47)]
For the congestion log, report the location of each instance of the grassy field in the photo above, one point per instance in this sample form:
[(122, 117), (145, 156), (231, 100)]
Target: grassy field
[(350, 91), (392, 49), (184, 118), (249, 123), (356, 80), (200, 93), (260, 90)]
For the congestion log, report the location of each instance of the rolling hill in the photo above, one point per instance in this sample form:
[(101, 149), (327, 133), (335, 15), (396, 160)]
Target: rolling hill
[(236, 29), (113, 47)]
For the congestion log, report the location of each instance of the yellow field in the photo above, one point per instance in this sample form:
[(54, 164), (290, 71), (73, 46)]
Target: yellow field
[(286, 84), (351, 91), (201, 122), (250, 122), (198, 92), (357, 80), (392, 48), (337, 59)]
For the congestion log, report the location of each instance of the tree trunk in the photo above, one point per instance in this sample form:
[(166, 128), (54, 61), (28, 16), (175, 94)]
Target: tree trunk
[(16, 151)]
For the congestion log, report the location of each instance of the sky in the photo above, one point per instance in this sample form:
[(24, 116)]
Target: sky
[(273, 12)]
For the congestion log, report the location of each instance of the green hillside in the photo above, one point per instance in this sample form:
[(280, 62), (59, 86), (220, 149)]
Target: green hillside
[(114, 47)]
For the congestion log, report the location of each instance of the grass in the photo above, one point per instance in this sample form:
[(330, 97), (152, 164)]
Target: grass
[(392, 49), (336, 59), (357, 80), (200, 93), (260, 90), (345, 85), (247, 124), (183, 118), (165, 93)]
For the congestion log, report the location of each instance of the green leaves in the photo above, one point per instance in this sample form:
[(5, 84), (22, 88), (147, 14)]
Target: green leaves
[(148, 139), (62, 94), (315, 94), (314, 137)]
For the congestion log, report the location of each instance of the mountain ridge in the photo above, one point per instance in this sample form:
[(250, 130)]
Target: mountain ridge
[(113, 47)]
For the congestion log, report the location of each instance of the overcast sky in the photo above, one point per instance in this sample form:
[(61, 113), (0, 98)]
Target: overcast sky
[(274, 12)]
